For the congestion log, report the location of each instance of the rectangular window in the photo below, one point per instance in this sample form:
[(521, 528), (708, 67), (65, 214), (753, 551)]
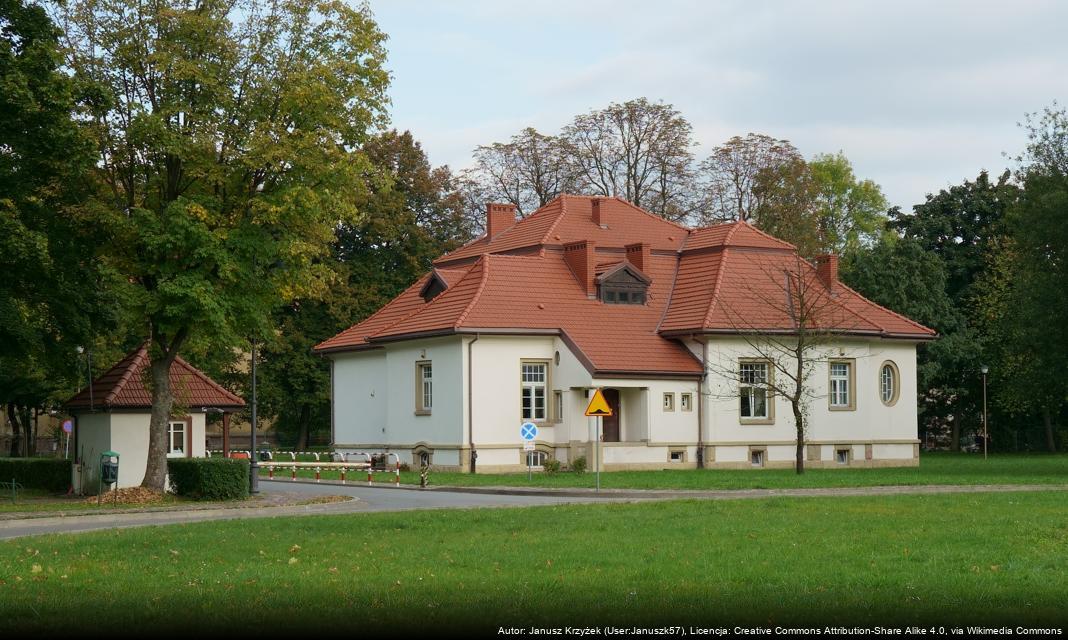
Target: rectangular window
[(754, 390), (686, 402), (176, 438), (842, 456), (534, 381), (756, 457), (424, 388), (558, 406), (677, 455), (669, 402), (841, 385)]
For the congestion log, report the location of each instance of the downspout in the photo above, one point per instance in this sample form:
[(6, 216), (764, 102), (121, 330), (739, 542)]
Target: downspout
[(701, 405), (471, 405)]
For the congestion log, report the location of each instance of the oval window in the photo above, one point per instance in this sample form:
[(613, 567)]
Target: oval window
[(888, 383)]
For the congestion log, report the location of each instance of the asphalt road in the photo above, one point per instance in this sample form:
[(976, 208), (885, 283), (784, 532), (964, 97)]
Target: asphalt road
[(369, 499)]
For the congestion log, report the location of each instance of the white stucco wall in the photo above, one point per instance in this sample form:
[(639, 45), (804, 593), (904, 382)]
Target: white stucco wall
[(127, 435), (374, 396), (892, 428)]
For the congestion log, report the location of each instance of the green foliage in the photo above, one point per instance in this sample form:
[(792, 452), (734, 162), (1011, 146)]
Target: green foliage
[(49, 474), (53, 290), (410, 216), (578, 465), (849, 212), (228, 138), (209, 478), (551, 466)]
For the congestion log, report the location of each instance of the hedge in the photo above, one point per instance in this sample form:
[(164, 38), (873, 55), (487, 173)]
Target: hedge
[(50, 474), (209, 478)]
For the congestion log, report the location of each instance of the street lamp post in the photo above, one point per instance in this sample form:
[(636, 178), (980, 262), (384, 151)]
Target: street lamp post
[(254, 467), (89, 355), (986, 431)]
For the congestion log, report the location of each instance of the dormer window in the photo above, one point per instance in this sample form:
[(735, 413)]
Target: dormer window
[(433, 287), (623, 283)]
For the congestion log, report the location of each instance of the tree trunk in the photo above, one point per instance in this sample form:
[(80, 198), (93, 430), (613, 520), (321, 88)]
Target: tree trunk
[(13, 420), (1047, 421), (162, 404), (954, 433), (799, 420), (302, 422)]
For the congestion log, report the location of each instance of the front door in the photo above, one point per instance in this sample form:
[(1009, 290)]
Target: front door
[(610, 424)]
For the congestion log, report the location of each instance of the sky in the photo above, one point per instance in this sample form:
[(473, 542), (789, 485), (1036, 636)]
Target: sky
[(918, 95)]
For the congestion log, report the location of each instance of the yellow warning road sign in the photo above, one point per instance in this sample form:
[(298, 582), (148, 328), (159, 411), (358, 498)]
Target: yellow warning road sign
[(598, 405)]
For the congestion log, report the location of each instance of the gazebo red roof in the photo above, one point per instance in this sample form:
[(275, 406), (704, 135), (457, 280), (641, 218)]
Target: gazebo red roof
[(123, 387)]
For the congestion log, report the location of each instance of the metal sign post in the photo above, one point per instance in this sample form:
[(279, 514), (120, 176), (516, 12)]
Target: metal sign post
[(528, 431), (598, 407)]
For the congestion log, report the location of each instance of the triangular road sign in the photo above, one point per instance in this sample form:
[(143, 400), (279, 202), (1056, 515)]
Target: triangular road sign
[(598, 405)]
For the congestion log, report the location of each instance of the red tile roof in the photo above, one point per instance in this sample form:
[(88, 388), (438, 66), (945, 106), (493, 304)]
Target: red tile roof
[(123, 387), (720, 279)]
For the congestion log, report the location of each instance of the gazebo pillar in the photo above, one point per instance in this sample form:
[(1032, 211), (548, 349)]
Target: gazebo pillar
[(226, 434)]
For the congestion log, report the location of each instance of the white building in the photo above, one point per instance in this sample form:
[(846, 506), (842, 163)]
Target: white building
[(676, 326), (113, 414)]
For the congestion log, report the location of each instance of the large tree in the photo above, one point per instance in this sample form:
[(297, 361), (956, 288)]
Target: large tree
[(529, 170), (227, 146), (411, 215), (732, 172), (638, 150), (53, 290)]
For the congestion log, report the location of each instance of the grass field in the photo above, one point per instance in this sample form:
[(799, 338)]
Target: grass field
[(961, 559), (935, 468)]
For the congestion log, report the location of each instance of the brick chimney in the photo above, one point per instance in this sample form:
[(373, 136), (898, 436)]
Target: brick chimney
[(498, 218), (638, 254), (580, 257), (827, 270), (600, 213)]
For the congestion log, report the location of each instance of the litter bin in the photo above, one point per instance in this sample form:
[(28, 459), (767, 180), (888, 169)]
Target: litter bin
[(109, 467)]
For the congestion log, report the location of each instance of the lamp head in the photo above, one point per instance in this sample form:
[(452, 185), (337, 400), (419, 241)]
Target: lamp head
[(80, 349), (985, 369)]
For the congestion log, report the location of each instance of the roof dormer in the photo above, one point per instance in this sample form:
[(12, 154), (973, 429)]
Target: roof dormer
[(435, 285), (622, 283)]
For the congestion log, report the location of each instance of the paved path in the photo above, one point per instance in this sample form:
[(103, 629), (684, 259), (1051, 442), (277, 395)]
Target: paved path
[(385, 498), (368, 499)]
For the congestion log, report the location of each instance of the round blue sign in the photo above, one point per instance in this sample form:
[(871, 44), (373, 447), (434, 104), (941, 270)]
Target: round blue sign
[(68, 426), (528, 431)]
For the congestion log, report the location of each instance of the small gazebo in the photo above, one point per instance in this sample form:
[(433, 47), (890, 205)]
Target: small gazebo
[(113, 413)]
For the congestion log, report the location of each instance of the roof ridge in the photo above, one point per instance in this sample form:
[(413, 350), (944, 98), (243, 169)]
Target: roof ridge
[(559, 217), (890, 311), (434, 300), (671, 291), (136, 363), (377, 313), (651, 215), (484, 260), (769, 236), (205, 378), (715, 290)]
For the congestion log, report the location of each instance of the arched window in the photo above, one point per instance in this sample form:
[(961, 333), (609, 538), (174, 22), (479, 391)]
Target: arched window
[(889, 383)]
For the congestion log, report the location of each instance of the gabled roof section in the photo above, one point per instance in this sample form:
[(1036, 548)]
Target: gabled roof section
[(606, 271), (734, 234), (569, 218), (123, 387)]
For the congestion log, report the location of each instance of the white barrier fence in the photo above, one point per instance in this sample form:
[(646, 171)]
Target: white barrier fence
[(333, 461)]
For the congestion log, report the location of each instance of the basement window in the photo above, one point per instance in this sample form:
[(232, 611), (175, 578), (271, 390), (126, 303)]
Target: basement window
[(677, 456), (842, 456), (756, 457)]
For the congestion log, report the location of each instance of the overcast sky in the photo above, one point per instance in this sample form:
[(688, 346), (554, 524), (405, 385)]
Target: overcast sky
[(919, 95)]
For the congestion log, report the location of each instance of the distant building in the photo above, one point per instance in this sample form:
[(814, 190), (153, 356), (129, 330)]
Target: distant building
[(116, 415), (521, 324)]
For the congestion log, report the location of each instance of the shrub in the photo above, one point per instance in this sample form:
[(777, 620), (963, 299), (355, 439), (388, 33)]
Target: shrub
[(578, 465), (551, 467), (209, 478), (50, 474)]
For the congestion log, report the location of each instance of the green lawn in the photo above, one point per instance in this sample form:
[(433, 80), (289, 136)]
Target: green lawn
[(935, 468), (35, 500), (961, 559)]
